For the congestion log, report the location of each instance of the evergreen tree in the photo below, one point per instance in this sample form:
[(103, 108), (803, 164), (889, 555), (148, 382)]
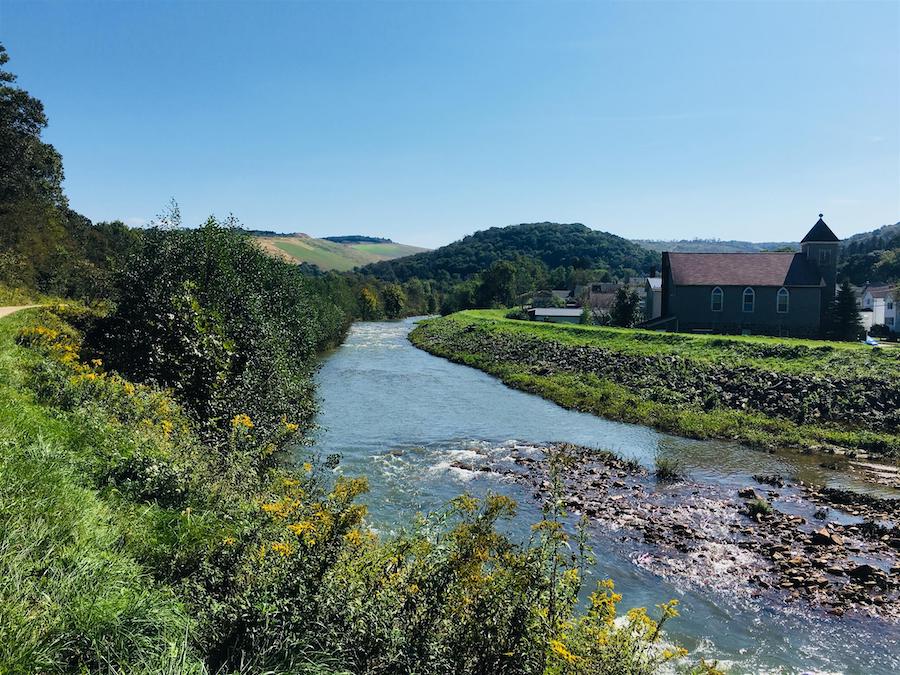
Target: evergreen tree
[(625, 309), (842, 316)]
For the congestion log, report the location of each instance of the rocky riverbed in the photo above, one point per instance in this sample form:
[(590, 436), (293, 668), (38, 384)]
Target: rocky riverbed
[(833, 550)]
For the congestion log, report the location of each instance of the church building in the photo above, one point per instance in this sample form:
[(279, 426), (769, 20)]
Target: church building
[(783, 294)]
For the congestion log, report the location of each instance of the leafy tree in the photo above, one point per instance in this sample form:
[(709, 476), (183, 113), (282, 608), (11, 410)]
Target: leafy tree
[(842, 317), (29, 168), (625, 308), (369, 306), (394, 301), (498, 285)]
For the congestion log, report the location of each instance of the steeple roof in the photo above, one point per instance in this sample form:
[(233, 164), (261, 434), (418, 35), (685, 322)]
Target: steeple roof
[(820, 232)]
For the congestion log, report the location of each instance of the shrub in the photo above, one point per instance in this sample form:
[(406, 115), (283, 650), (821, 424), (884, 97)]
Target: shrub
[(758, 506), (519, 314), (668, 470), (229, 329)]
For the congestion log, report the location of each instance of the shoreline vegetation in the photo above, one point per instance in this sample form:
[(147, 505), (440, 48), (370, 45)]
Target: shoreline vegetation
[(765, 392), (152, 524)]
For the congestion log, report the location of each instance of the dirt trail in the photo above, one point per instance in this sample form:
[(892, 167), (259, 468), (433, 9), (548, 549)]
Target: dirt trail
[(4, 311)]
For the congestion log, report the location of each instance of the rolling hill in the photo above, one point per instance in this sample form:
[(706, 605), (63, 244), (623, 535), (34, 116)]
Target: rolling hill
[(554, 244), (714, 245), (334, 253)]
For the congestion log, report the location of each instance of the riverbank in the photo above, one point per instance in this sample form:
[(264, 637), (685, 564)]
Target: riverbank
[(765, 392)]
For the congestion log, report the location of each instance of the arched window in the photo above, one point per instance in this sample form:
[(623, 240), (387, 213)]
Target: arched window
[(749, 299), (782, 301), (716, 299)]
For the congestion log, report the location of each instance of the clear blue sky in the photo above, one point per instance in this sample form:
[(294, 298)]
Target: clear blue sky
[(426, 121)]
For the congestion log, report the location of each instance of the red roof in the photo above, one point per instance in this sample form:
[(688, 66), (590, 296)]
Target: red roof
[(743, 269)]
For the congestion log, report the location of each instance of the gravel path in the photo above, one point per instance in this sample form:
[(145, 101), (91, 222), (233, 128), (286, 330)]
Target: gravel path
[(4, 311)]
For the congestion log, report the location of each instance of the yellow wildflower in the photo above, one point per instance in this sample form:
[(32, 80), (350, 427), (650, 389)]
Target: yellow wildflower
[(282, 548), (291, 427), (302, 527), (562, 651), (307, 467), (241, 421), (167, 428)]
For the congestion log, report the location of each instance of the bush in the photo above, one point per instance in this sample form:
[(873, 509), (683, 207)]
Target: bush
[(519, 314), (229, 329)]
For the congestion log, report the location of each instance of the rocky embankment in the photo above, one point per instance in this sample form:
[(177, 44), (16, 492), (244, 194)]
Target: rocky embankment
[(831, 549), (671, 379)]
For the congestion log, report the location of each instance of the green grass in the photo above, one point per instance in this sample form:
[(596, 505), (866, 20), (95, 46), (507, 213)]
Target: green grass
[(70, 594), (787, 355), (588, 392), (387, 251)]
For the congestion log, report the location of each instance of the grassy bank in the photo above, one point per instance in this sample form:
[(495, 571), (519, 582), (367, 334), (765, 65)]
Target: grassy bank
[(133, 541), (766, 392)]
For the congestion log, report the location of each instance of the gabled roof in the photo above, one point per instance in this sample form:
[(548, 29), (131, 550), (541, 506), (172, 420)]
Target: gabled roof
[(881, 291), (655, 283), (820, 232), (743, 269)]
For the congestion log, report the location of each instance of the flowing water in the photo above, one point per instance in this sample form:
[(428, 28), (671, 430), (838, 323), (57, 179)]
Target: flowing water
[(402, 417)]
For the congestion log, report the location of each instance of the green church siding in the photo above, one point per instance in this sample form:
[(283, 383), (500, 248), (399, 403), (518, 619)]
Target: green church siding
[(691, 305)]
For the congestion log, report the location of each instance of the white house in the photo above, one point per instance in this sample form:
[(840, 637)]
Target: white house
[(879, 307)]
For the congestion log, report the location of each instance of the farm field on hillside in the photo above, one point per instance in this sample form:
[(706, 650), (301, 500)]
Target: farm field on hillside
[(329, 255)]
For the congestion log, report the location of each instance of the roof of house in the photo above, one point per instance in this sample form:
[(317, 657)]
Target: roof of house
[(556, 311), (743, 269), (881, 291), (820, 232), (655, 283), (562, 293)]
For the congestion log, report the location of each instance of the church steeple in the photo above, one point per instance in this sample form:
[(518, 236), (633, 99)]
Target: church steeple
[(820, 233), (820, 246)]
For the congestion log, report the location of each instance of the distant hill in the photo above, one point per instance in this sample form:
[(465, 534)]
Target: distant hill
[(332, 253), (357, 239), (872, 256), (715, 245), (554, 244)]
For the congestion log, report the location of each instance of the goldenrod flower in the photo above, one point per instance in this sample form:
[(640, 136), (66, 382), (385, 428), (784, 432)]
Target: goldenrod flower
[(241, 420), (562, 651)]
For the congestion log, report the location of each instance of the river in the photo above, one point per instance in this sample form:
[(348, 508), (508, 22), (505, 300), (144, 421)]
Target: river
[(402, 417)]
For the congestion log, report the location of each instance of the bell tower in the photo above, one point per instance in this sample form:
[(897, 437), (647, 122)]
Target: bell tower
[(820, 246)]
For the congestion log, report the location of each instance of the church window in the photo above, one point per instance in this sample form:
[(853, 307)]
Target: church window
[(716, 300), (749, 299), (782, 301)]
